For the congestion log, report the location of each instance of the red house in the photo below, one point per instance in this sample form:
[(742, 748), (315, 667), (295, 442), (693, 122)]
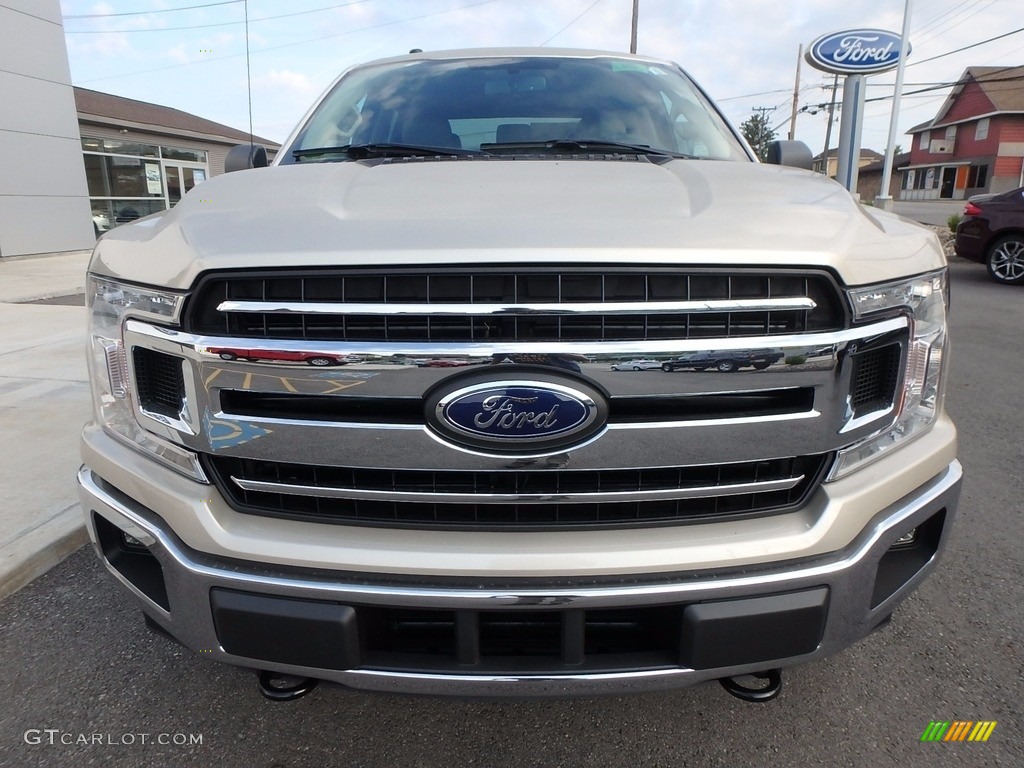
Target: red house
[(974, 144)]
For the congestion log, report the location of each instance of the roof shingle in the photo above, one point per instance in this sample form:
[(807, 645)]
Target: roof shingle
[(115, 108)]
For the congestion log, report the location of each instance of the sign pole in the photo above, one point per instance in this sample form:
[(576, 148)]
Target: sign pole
[(856, 53), (850, 130)]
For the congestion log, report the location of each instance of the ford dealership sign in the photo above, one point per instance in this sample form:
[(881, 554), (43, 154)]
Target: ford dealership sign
[(856, 52)]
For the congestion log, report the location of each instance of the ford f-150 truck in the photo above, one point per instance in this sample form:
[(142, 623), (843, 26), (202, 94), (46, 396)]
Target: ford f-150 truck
[(480, 506)]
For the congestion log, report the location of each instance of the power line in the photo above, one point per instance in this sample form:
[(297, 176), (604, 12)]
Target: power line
[(208, 26), (936, 20), (146, 13), (968, 47), (955, 21), (588, 10), (293, 44), (751, 95)]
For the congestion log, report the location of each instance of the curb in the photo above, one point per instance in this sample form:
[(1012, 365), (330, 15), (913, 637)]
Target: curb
[(27, 562)]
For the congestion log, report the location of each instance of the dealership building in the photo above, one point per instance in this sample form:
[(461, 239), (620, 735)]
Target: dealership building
[(76, 162)]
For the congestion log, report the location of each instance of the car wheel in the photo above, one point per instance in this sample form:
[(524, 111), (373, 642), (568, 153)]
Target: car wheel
[(228, 356), (320, 361), (726, 366), (761, 366), (1005, 260), (667, 368), (636, 367)]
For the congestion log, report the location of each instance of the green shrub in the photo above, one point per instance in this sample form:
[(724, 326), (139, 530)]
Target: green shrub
[(796, 360), (953, 221)]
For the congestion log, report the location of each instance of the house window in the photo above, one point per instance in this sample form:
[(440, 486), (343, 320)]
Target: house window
[(951, 133), (926, 138), (977, 176), (981, 129)]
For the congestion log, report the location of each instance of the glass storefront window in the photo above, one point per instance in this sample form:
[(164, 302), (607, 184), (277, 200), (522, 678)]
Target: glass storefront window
[(179, 153), (107, 214), (130, 148), (128, 179), (116, 176)]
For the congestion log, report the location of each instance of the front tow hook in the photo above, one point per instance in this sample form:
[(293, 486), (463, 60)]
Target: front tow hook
[(278, 687), (760, 694)]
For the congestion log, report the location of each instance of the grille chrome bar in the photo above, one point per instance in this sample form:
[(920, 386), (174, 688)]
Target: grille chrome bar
[(565, 308), (362, 494)]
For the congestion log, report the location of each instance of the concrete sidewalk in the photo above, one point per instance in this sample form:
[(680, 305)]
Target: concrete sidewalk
[(44, 400)]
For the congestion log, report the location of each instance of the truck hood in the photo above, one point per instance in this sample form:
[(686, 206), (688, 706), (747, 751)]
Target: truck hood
[(504, 210)]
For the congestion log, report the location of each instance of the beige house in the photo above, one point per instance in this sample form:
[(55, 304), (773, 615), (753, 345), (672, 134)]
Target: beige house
[(867, 157)]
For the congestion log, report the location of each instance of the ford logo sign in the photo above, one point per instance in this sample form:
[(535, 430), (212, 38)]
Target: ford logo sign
[(517, 417), (856, 52)]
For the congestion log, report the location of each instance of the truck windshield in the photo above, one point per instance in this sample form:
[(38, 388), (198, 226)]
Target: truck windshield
[(497, 105)]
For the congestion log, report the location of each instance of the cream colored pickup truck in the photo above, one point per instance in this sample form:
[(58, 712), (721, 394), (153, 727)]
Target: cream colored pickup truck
[(477, 504)]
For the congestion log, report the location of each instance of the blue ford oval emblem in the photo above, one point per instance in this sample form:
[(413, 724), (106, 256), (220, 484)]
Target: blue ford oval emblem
[(856, 51), (517, 416)]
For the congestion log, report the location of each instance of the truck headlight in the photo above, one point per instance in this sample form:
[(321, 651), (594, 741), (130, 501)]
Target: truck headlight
[(109, 304), (924, 299)]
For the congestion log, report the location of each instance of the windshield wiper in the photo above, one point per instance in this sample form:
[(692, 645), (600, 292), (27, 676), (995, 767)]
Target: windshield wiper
[(364, 151), (581, 145)]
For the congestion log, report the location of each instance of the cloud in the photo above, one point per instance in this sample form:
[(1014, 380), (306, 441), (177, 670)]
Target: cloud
[(294, 82)]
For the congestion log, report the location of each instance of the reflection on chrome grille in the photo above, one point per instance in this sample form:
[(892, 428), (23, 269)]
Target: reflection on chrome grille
[(520, 498), (446, 305)]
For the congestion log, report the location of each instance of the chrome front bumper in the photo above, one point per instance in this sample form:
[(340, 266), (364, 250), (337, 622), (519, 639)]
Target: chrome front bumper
[(856, 602)]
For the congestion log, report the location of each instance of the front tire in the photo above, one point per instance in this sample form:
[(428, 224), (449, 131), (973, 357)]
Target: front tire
[(228, 356), (319, 361), (1005, 260), (726, 366)]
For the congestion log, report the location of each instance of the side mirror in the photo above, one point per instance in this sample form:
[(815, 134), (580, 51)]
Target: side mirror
[(245, 156), (792, 153)]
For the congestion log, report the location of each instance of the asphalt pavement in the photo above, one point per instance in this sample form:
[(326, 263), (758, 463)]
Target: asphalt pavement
[(87, 684)]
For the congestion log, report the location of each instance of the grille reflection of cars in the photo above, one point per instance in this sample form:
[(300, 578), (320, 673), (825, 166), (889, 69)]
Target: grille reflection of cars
[(637, 365), (992, 232), (509, 516), (279, 355), (725, 361)]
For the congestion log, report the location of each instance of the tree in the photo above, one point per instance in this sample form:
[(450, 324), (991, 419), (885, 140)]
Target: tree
[(758, 133)]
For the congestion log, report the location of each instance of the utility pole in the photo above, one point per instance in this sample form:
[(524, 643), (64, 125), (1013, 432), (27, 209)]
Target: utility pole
[(632, 34), (828, 128), (796, 93)]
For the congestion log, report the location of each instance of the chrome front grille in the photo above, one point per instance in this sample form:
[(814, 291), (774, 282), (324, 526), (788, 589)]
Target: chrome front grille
[(577, 304), (516, 499), (307, 394)]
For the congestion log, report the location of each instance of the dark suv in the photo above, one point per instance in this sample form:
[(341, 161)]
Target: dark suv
[(724, 360)]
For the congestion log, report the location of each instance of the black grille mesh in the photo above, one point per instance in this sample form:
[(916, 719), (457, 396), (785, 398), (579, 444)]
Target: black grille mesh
[(512, 287), (159, 380), (875, 375), (506, 515)]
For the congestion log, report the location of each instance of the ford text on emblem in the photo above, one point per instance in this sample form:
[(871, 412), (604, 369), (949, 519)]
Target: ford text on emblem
[(856, 51), (517, 417)]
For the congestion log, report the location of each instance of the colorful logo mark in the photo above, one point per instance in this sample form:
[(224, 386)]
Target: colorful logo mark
[(958, 730)]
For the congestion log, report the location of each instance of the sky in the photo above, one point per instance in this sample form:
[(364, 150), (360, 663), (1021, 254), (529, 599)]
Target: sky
[(191, 54)]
